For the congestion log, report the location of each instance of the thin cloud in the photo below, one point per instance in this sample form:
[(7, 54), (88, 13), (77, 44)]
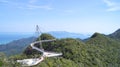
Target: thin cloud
[(41, 7), (113, 6), (114, 9), (3, 1), (10, 3), (109, 3), (29, 5)]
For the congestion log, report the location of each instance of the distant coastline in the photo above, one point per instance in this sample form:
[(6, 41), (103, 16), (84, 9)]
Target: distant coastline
[(8, 37)]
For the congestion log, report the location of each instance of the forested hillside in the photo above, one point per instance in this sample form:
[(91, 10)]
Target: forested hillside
[(97, 51), (104, 50), (115, 35), (16, 46)]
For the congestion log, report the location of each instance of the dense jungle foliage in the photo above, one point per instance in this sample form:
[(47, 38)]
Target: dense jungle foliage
[(97, 51)]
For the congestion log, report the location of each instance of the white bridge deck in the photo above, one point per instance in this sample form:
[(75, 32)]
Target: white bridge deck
[(35, 61)]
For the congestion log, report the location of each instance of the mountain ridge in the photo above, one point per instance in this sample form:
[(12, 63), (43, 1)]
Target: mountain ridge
[(65, 34), (115, 35), (16, 46), (97, 51)]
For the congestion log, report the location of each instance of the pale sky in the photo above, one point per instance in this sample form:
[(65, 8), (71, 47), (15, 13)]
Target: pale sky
[(78, 16)]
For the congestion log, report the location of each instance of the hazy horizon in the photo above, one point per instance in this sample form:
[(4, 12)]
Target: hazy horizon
[(78, 16)]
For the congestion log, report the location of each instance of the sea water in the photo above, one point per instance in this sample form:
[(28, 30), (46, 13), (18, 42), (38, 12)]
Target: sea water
[(8, 37)]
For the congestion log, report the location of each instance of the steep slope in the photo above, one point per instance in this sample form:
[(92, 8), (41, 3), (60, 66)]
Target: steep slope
[(115, 35), (57, 62), (100, 39), (97, 51), (46, 46), (104, 50), (17, 46), (71, 48)]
